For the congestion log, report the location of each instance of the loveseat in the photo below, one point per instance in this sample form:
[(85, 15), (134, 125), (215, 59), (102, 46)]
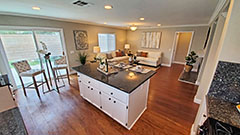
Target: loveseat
[(151, 59)]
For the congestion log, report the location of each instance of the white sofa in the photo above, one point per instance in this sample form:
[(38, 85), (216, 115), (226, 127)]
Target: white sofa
[(152, 59), (125, 57)]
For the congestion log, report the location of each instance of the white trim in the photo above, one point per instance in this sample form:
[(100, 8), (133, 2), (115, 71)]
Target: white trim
[(219, 7), (197, 101), (165, 65), (173, 26), (8, 69), (192, 130), (177, 62), (136, 119), (175, 44)]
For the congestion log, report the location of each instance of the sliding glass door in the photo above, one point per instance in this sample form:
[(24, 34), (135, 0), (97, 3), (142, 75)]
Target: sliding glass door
[(23, 45)]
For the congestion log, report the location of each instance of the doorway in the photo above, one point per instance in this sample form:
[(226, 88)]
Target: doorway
[(22, 44), (182, 46)]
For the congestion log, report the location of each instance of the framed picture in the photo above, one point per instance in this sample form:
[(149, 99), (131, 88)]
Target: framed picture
[(81, 39)]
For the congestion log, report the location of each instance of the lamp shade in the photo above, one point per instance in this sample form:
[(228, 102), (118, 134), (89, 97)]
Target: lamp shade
[(133, 28), (96, 49), (127, 46)]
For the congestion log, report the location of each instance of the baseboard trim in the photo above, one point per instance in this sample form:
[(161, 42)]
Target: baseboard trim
[(176, 62), (197, 101), (166, 65)]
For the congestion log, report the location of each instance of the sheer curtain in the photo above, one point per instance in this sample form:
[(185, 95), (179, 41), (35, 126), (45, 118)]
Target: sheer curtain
[(151, 39)]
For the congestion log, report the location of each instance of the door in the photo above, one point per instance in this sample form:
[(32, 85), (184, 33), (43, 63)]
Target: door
[(106, 101), (83, 89), (182, 46), (119, 111), (23, 45)]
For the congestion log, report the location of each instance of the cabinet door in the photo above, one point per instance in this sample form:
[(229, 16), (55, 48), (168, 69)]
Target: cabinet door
[(83, 88), (87, 92), (119, 111), (106, 102), (95, 96)]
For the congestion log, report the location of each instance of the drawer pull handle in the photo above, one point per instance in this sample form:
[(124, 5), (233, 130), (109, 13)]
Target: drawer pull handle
[(111, 93), (109, 98), (114, 101)]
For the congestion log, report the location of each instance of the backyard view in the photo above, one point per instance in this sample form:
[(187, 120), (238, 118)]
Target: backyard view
[(21, 45)]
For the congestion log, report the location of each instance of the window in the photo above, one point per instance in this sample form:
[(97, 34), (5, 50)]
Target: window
[(107, 42)]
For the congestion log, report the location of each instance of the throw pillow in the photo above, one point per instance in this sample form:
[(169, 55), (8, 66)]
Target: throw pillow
[(144, 54), (109, 56), (139, 53), (123, 53), (118, 54)]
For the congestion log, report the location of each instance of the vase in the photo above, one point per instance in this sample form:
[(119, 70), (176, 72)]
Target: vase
[(188, 68)]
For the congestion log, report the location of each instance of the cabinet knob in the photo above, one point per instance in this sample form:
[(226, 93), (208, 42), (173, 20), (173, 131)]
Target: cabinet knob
[(88, 87), (109, 98), (100, 92), (89, 82), (91, 88), (111, 93), (80, 81), (114, 101)]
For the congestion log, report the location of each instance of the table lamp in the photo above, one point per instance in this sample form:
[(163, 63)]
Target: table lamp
[(96, 50)]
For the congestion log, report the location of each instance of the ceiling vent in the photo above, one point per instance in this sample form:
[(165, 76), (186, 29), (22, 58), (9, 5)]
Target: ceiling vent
[(81, 3)]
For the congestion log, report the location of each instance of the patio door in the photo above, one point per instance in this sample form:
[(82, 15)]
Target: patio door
[(23, 45)]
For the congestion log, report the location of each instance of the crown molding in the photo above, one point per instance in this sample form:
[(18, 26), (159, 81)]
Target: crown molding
[(173, 26), (219, 8), (62, 19)]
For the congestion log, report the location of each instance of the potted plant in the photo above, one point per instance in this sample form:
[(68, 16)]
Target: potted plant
[(190, 59), (82, 58)]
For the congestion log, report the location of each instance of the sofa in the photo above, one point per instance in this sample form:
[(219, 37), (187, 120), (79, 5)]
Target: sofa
[(111, 56), (152, 58)]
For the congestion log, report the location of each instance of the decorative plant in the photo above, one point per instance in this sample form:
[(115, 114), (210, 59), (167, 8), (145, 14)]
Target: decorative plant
[(191, 58), (82, 58)]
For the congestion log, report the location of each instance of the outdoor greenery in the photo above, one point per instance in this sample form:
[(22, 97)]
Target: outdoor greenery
[(191, 58)]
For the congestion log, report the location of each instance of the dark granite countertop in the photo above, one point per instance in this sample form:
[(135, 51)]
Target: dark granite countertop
[(223, 111), (11, 123), (120, 80)]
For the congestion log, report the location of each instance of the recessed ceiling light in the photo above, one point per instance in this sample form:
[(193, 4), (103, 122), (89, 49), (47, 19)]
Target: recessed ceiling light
[(104, 23), (36, 8), (142, 19), (108, 6), (159, 25)]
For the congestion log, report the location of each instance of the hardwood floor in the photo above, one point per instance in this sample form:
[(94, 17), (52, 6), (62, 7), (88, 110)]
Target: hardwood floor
[(170, 111)]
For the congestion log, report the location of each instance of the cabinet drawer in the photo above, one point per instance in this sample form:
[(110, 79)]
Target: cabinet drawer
[(87, 80), (121, 96)]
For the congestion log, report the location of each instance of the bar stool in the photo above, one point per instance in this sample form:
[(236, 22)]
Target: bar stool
[(24, 70), (61, 64)]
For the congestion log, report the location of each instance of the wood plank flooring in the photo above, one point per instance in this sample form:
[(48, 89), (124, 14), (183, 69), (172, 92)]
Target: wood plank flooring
[(170, 111)]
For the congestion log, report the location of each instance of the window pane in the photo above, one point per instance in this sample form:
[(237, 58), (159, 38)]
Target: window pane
[(107, 42)]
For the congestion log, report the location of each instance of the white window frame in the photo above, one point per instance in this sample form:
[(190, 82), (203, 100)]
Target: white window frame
[(115, 42)]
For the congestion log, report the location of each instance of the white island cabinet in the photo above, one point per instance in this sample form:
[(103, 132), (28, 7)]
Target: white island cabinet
[(125, 108)]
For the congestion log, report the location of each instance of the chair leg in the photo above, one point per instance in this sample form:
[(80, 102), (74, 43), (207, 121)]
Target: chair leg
[(23, 87), (68, 76), (45, 77), (36, 87)]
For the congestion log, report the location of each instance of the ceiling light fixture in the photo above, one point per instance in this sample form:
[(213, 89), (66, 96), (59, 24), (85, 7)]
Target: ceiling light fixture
[(159, 25), (133, 28), (141, 19), (108, 7), (104, 23), (36, 8)]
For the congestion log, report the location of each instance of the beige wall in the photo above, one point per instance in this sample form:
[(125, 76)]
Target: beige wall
[(182, 46), (134, 38), (68, 28)]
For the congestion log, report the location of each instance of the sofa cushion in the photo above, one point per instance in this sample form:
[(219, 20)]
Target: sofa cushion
[(144, 54), (154, 54), (119, 54), (109, 55), (119, 58), (147, 59), (139, 53)]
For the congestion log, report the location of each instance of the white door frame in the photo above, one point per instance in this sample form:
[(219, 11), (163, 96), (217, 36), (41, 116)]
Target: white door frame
[(175, 41), (33, 29)]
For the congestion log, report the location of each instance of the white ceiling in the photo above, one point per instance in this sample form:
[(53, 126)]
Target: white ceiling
[(124, 12)]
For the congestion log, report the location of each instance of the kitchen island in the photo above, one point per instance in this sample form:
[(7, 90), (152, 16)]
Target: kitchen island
[(122, 96)]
